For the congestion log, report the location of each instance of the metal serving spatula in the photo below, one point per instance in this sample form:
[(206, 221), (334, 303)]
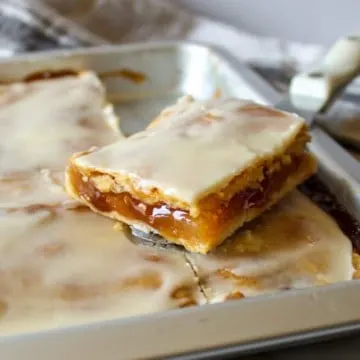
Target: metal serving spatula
[(314, 91), (138, 236), (310, 93)]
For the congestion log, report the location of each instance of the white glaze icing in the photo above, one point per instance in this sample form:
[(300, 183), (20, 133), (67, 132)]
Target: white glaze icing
[(42, 187), (66, 267), (197, 146), (42, 123), (294, 245)]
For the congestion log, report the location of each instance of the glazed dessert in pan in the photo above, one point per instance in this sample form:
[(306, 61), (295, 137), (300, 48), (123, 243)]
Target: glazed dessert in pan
[(64, 267), (294, 245), (41, 124), (199, 172), (60, 263)]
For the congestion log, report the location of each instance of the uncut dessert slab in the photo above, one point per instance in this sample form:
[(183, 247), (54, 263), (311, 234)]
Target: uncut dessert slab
[(140, 81), (61, 264), (42, 122)]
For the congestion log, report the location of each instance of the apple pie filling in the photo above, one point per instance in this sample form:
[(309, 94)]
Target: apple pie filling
[(215, 214)]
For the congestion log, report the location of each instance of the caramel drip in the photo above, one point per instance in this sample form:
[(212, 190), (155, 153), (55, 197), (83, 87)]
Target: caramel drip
[(49, 74)]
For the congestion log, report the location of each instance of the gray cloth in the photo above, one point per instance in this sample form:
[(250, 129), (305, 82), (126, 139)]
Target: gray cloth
[(25, 27)]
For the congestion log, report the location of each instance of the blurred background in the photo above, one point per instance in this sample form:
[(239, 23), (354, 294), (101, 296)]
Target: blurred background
[(310, 21), (277, 38)]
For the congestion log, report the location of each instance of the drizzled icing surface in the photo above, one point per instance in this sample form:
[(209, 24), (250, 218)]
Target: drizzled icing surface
[(42, 123), (60, 264), (198, 146), (67, 267), (38, 187), (294, 245), (61, 267)]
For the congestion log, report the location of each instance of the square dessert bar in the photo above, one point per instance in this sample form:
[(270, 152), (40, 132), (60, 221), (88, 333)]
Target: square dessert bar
[(199, 172)]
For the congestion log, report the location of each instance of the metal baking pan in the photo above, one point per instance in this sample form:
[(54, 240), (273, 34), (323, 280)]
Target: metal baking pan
[(208, 331)]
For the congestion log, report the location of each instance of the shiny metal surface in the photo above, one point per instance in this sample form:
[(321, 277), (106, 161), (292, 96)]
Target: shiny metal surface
[(138, 236), (287, 105), (333, 125), (306, 107), (170, 70), (207, 331)]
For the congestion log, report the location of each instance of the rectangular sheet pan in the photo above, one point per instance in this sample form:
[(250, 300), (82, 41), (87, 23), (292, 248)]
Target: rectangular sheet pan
[(209, 331)]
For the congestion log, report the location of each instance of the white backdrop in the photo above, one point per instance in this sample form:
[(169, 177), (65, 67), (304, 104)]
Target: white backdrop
[(311, 21)]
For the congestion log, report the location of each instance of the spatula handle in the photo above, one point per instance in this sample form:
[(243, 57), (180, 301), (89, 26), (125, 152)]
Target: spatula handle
[(339, 67)]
